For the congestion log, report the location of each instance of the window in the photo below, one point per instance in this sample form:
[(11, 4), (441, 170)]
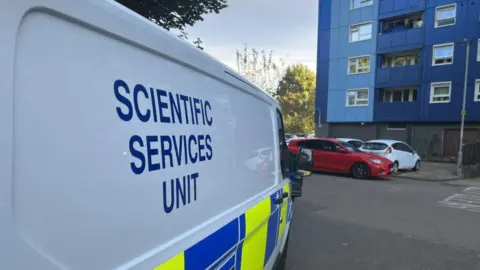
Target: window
[(360, 3), (442, 54), (396, 126), (375, 146), (360, 64), (403, 60), (401, 24), (477, 90), (440, 92), (399, 95), (445, 15), (402, 147), (329, 146), (359, 32), (478, 50), (284, 153), (357, 97)]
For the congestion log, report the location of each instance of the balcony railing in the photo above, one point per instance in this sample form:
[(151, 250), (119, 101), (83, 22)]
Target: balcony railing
[(394, 111), (399, 76), (400, 41)]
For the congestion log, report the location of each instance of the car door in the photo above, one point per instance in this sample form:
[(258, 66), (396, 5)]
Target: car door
[(401, 155), (336, 161), (316, 146), (409, 155)]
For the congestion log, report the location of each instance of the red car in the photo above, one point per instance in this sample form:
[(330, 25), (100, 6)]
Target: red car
[(335, 156)]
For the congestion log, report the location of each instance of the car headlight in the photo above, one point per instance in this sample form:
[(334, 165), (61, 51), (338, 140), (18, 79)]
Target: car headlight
[(377, 161)]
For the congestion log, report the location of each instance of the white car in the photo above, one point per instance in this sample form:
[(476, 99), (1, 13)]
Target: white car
[(355, 142), (400, 153)]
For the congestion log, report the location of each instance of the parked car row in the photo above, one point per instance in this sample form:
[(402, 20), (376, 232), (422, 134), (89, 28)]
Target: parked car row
[(375, 158)]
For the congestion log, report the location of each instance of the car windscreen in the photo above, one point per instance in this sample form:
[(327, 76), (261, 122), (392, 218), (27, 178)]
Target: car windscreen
[(350, 147), (357, 144), (378, 146)]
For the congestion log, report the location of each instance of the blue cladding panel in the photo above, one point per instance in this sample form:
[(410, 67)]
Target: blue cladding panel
[(323, 52), (399, 76), (333, 57), (400, 41), (392, 8), (340, 50), (397, 111)]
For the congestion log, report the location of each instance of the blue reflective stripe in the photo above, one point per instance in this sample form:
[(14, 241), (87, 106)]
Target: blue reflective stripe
[(222, 250), (228, 264), (206, 252), (242, 227), (272, 227)]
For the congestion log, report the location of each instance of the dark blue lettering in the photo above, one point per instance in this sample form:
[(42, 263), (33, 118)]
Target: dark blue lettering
[(140, 88), (194, 178), (191, 139), (203, 112), (185, 147), (191, 110), (178, 147), (162, 105), (168, 208), (166, 150), (175, 108), (181, 192), (125, 101), (196, 101), (185, 99), (135, 153), (208, 141), (152, 152), (209, 119), (154, 106), (188, 189), (201, 147)]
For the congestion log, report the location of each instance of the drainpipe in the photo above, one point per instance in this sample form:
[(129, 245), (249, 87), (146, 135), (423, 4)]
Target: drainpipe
[(463, 112)]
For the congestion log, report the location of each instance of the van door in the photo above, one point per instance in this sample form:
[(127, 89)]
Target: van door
[(285, 162)]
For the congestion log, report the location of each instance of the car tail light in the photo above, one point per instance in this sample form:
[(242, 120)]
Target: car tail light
[(389, 151)]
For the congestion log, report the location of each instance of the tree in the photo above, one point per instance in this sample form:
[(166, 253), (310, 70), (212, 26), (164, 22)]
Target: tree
[(175, 14), (296, 95), (261, 68)]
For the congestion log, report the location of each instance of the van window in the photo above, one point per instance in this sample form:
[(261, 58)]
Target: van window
[(284, 153)]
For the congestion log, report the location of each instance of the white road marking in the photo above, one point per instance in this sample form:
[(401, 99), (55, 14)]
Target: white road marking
[(468, 200)]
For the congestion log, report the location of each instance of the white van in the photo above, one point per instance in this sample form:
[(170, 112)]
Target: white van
[(123, 147)]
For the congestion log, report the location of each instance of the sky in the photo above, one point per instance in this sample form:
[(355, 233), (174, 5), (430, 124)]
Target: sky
[(287, 27)]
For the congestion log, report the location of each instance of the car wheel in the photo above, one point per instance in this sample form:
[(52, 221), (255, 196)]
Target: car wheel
[(417, 166), (395, 166), (360, 170)]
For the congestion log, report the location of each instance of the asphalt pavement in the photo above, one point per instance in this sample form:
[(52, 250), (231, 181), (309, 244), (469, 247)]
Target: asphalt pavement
[(344, 223)]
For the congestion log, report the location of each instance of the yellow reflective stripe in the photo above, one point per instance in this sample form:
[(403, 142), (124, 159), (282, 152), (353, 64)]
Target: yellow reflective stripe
[(175, 263), (256, 229), (284, 212)]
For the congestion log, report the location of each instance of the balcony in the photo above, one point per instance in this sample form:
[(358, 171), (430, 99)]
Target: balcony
[(399, 76), (397, 104), (392, 8), (400, 33), (400, 41), (397, 111)]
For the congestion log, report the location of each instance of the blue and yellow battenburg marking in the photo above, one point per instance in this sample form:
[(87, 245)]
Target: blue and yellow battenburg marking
[(246, 242)]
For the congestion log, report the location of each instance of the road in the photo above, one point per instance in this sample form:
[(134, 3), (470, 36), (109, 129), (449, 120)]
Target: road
[(343, 223)]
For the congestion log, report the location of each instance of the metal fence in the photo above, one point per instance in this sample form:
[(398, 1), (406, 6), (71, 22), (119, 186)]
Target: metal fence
[(471, 154)]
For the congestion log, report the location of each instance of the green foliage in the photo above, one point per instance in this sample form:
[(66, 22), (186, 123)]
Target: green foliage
[(296, 95), (175, 14), (261, 68)]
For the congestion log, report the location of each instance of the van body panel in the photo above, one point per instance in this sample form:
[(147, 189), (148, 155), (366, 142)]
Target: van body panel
[(123, 147)]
